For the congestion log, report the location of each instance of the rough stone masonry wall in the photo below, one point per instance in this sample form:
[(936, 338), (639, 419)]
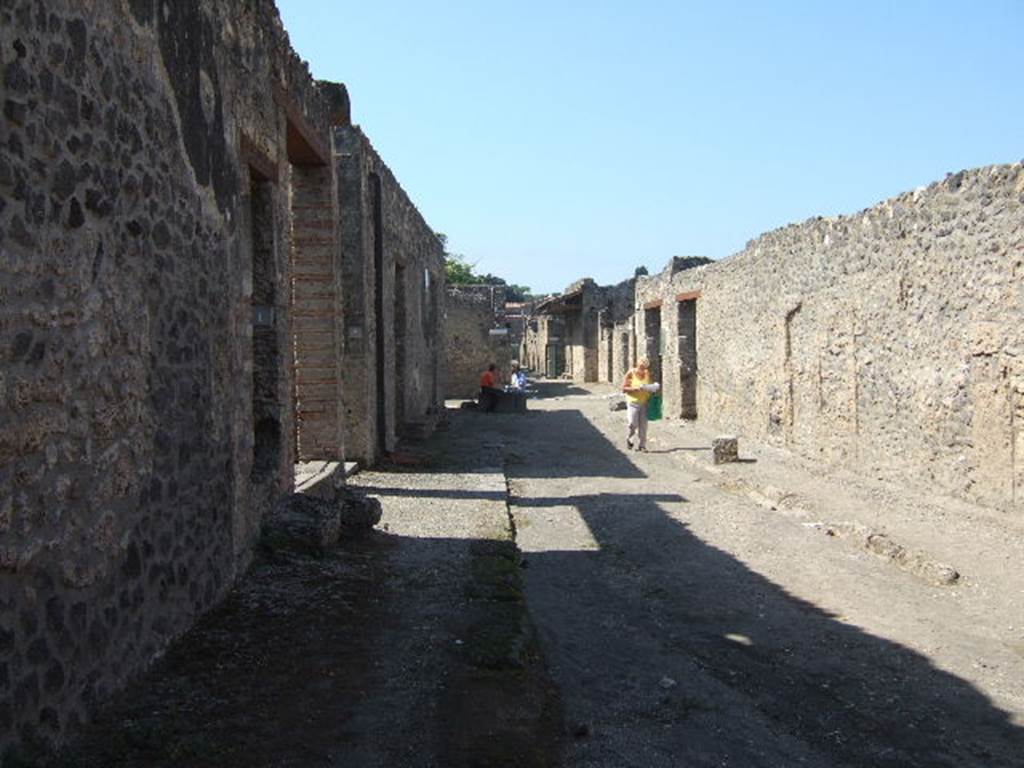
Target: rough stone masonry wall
[(582, 332), (379, 223), (891, 340), (470, 313), (128, 500), (616, 331)]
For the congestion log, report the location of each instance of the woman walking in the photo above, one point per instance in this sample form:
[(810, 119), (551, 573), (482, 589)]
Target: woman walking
[(637, 387)]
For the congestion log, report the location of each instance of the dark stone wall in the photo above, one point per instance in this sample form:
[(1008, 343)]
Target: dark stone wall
[(128, 496)]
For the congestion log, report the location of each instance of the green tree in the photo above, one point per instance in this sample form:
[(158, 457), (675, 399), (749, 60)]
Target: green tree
[(458, 271)]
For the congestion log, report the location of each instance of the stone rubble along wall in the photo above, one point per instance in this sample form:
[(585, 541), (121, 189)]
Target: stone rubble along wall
[(127, 498), (891, 340), (470, 313), (413, 336)]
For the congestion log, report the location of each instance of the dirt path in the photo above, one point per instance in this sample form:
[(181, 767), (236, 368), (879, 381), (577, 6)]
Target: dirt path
[(687, 625)]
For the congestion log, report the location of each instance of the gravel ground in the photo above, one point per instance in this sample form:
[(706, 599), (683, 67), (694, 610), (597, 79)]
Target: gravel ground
[(659, 611), (376, 653), (687, 623)]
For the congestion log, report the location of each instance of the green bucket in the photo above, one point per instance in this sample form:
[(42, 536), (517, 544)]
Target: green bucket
[(654, 408)]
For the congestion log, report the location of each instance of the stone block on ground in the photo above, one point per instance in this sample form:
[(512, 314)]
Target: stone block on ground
[(358, 512), (725, 449), (305, 522), (510, 402), (321, 479)]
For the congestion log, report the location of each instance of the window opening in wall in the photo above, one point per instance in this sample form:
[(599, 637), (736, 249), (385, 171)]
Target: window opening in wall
[(687, 332), (427, 305), (265, 353), (378, 309)]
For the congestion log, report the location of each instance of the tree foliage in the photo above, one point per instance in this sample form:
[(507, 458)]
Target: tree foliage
[(459, 271)]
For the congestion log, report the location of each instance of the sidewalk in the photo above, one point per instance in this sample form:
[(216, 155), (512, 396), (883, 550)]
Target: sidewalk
[(376, 653)]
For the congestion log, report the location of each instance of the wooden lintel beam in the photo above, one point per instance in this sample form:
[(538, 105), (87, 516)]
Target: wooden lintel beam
[(303, 144), (261, 165)]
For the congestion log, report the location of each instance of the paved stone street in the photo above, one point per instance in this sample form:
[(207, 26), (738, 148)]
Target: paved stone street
[(687, 622), (659, 611)]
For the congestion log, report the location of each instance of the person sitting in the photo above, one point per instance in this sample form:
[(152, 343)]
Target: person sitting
[(517, 381), (489, 389)]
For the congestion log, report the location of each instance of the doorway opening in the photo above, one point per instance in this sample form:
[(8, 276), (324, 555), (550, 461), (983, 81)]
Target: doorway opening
[(265, 354), (378, 310), (655, 343), (398, 318), (687, 333)]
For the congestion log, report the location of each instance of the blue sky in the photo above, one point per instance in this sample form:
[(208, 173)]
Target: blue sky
[(556, 140)]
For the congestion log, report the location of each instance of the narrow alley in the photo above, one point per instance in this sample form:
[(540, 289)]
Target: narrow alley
[(536, 595)]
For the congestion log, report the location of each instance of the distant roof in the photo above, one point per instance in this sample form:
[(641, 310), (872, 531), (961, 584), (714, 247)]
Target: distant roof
[(571, 301)]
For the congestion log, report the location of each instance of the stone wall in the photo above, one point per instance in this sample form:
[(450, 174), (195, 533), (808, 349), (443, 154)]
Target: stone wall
[(615, 354), (393, 277), (145, 393), (891, 340), (471, 313)]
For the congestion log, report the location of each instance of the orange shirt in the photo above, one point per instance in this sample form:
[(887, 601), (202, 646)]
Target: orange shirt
[(487, 379)]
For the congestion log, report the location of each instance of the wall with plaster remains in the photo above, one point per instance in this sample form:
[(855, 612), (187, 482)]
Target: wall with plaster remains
[(145, 393), (471, 313), (393, 284), (891, 340)]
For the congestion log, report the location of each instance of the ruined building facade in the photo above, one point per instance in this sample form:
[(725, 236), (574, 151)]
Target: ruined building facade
[(585, 333), (891, 340), (189, 232)]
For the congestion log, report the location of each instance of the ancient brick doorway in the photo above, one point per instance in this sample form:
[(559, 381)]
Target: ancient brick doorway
[(316, 302), (687, 332)]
